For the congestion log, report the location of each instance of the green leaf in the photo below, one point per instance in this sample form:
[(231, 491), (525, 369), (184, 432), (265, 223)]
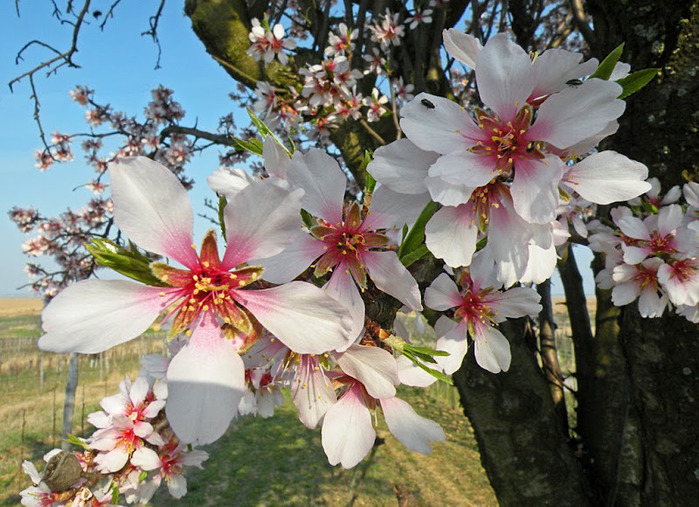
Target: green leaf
[(127, 261), (254, 145), (636, 80), (416, 236), (72, 439), (307, 219), (439, 375), (606, 68), (222, 201), (264, 130), (414, 256)]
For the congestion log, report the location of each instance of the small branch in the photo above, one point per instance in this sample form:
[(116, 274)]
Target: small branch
[(110, 14), (153, 31), (66, 56), (198, 134), (372, 132), (549, 353), (578, 10)]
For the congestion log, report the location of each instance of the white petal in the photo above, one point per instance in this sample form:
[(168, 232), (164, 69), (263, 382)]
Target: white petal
[(451, 234), (447, 193), (347, 433), (411, 374), (608, 177), (402, 166), (535, 188), (504, 76), (302, 316), (492, 351), (320, 176), (92, 316), (442, 294), (261, 220), (293, 261), (312, 392), (518, 302), (452, 339), (555, 67), (152, 208), (341, 287), (390, 209), (462, 46), (633, 227), (145, 458), (625, 293), (206, 381), (577, 113), (634, 254), (228, 182), (413, 431), (176, 485), (541, 263), (375, 368), (276, 158), (444, 128), (464, 168), (392, 277)]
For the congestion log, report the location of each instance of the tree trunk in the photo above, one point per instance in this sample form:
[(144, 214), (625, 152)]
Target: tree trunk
[(523, 448)]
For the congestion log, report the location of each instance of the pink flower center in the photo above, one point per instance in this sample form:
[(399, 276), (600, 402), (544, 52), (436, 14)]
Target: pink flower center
[(345, 243), (661, 244), (646, 277), (506, 141)]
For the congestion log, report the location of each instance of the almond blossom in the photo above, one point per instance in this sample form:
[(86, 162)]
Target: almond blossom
[(268, 43), (348, 240), (479, 308), (152, 208)]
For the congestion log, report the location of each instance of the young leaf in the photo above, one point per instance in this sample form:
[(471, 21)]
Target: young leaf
[(636, 80), (129, 262), (222, 201), (606, 68), (253, 145), (414, 256), (416, 236)]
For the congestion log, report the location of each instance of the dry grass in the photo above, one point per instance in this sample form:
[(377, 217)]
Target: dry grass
[(13, 307)]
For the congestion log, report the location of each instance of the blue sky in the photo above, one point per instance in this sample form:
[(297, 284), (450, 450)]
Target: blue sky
[(118, 64)]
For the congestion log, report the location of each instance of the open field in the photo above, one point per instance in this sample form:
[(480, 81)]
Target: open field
[(273, 461)]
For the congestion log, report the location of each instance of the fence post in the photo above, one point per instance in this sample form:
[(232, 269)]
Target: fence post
[(69, 403)]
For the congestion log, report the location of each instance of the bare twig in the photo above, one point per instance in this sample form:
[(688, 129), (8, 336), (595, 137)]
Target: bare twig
[(197, 134), (372, 132), (109, 14), (153, 31)]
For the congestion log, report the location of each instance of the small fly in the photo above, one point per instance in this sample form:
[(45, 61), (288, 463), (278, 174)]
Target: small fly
[(427, 104), (574, 82)]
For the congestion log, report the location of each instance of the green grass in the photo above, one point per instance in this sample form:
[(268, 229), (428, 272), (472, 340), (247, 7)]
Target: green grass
[(278, 461)]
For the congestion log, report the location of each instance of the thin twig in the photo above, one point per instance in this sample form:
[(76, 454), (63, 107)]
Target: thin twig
[(372, 132), (153, 31)]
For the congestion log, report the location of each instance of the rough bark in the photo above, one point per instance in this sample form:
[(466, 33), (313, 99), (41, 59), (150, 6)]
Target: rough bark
[(653, 460), (523, 448)]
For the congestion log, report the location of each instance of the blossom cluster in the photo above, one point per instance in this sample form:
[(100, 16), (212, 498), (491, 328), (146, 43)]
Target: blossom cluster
[(284, 304), (63, 237), (328, 93), (652, 252), (132, 452)]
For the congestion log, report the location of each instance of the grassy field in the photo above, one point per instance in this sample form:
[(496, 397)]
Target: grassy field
[(259, 461)]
